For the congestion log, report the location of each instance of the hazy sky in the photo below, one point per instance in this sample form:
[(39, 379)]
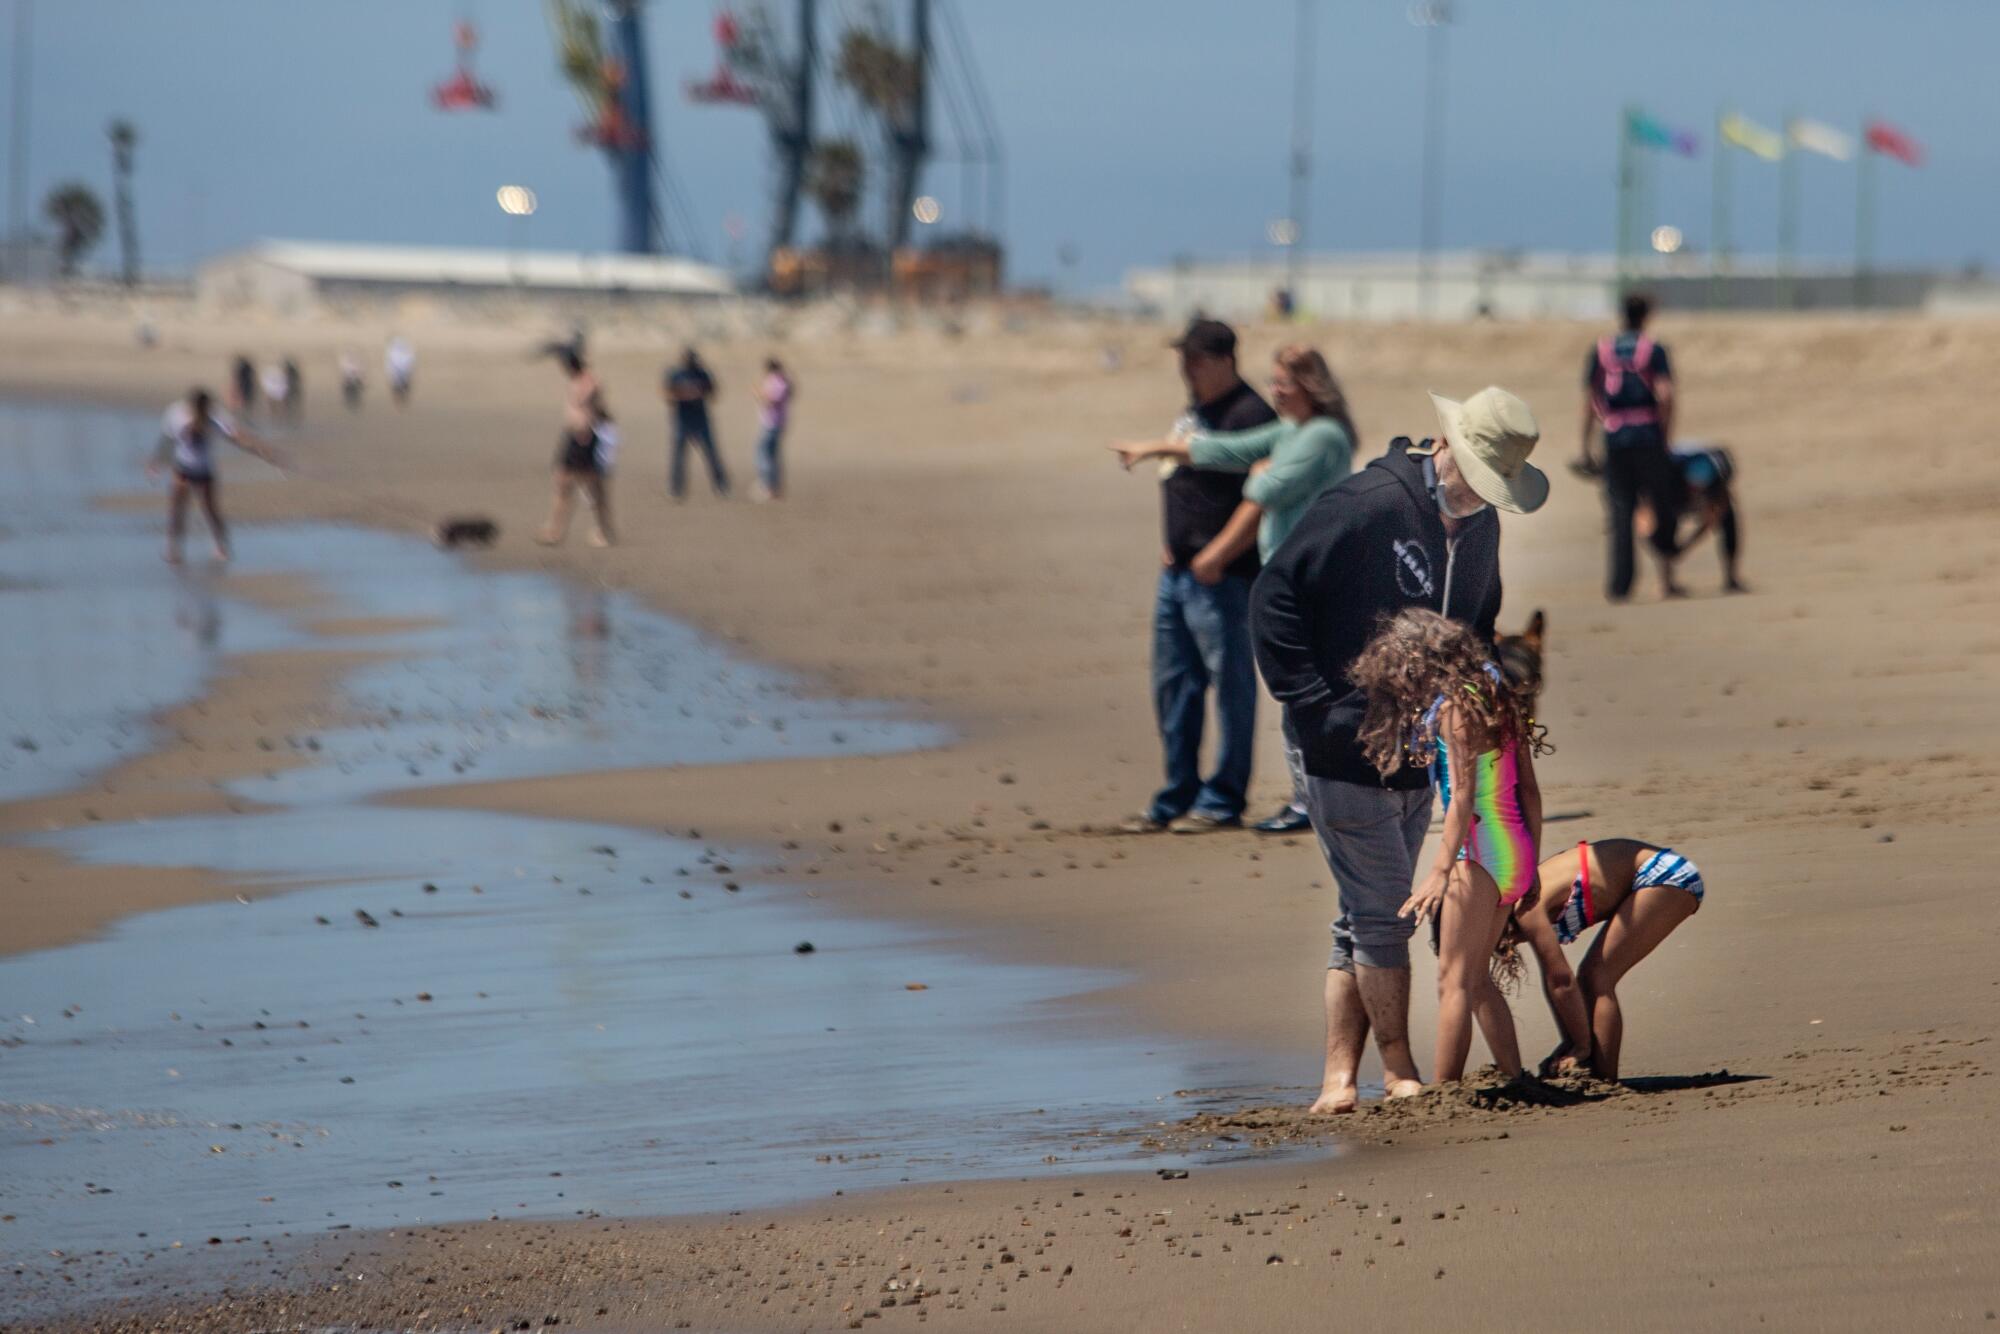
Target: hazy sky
[(1134, 129)]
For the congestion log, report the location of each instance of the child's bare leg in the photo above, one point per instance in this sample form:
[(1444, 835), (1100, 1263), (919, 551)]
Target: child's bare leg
[(1646, 917), (177, 506), (218, 534), (1496, 1024), (1469, 925), (600, 508), (558, 522)]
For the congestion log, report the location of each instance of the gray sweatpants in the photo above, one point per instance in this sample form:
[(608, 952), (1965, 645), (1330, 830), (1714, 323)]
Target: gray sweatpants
[(1371, 837)]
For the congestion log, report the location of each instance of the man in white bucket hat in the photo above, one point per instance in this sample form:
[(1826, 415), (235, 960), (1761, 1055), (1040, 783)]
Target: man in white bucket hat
[(1415, 528)]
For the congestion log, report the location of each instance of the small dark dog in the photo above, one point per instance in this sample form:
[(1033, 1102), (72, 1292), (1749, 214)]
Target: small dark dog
[(465, 532)]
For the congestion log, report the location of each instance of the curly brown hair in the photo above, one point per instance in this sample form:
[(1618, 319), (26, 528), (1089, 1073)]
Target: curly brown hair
[(1417, 656)]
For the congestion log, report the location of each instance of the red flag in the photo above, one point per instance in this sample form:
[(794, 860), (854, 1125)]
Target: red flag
[(1892, 141)]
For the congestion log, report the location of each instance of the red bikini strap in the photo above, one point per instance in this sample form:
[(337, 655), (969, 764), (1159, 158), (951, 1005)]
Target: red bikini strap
[(1583, 881)]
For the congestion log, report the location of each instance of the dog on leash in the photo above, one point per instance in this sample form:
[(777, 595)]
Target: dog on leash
[(465, 531)]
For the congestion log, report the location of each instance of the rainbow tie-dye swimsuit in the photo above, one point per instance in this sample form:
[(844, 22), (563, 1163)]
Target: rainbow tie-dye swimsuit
[(1498, 837)]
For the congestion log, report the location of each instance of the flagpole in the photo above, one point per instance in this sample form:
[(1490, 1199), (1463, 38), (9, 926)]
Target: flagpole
[(1864, 223), (1436, 16), (1788, 215), (17, 154), (1624, 195), (1718, 237), (1301, 156)]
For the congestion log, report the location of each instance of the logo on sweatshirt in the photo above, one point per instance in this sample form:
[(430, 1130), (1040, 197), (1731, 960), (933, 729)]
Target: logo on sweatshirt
[(1413, 570)]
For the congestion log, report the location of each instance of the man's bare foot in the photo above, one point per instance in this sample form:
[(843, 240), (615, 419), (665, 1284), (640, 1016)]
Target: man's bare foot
[(172, 556), (544, 539), (221, 554), (1402, 1088), (600, 540), (1333, 1102)]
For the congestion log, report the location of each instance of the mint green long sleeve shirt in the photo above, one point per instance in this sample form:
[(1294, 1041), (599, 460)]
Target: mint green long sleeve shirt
[(1306, 458)]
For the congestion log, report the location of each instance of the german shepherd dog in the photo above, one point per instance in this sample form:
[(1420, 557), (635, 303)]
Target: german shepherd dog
[(1520, 658)]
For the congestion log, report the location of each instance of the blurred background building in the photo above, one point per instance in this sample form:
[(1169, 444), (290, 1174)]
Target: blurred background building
[(1472, 284)]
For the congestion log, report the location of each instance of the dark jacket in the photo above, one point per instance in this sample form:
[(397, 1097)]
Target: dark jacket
[(1366, 549)]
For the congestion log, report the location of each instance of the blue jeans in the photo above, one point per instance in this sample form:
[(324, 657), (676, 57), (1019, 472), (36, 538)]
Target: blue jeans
[(770, 463), (703, 439), (1201, 638)]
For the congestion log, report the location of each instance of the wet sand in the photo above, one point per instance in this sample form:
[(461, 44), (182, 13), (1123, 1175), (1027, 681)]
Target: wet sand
[(957, 538)]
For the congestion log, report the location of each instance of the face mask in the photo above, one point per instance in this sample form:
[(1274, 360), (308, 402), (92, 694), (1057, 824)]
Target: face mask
[(1438, 495), (1444, 507)]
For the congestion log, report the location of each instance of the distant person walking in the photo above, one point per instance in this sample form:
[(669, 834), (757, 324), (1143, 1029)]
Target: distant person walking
[(1415, 528), (244, 377), (1290, 461), (689, 388), (350, 379), (399, 363), (578, 462), (1201, 628), (774, 411), (1628, 395), (277, 392), (187, 445)]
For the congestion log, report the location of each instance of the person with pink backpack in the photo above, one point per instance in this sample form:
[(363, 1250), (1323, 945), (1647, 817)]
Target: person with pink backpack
[(1628, 388)]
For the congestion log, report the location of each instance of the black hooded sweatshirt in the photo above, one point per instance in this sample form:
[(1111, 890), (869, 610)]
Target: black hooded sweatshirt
[(1366, 549)]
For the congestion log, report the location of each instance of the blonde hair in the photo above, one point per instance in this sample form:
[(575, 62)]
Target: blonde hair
[(1318, 383)]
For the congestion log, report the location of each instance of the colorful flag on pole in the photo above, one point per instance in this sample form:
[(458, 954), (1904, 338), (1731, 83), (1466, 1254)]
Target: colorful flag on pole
[(1818, 137), (1646, 132), (1753, 138), (1889, 140)]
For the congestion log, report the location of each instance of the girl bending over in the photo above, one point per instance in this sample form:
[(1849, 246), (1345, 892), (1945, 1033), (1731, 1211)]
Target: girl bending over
[(1640, 891)]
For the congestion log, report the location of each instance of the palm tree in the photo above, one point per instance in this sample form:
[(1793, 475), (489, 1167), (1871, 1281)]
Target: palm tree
[(835, 179), (79, 216), (882, 75), (125, 139)]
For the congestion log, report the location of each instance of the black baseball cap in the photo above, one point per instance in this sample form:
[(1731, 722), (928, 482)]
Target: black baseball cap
[(1211, 338)]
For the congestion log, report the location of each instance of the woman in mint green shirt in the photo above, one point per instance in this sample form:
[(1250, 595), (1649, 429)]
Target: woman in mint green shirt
[(1308, 449)]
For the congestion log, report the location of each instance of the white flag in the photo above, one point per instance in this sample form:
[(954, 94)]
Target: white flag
[(1818, 137)]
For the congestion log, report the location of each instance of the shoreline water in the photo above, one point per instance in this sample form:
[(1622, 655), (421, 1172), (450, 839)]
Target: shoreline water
[(439, 690), (1868, 563)]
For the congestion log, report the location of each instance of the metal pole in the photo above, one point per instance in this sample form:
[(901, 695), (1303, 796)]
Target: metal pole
[(1625, 200), (17, 158), (1788, 217), (910, 131), (1864, 226), (1301, 153), (639, 230), (1436, 16), (1718, 229)]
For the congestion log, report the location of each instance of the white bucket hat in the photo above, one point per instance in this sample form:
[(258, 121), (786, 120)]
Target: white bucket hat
[(1491, 435)]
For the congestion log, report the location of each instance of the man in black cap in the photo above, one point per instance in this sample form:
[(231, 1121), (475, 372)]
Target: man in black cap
[(1201, 631)]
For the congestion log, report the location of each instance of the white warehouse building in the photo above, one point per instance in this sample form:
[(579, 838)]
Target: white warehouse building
[(1507, 285), (293, 276)]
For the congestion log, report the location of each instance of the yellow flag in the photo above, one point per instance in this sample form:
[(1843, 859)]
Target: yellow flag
[(1748, 135)]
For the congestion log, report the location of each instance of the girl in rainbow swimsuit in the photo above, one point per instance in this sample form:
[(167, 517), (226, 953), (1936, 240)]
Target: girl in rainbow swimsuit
[(1434, 698), (1640, 891)]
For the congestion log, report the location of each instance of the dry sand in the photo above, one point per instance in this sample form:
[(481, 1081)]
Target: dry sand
[(957, 539)]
